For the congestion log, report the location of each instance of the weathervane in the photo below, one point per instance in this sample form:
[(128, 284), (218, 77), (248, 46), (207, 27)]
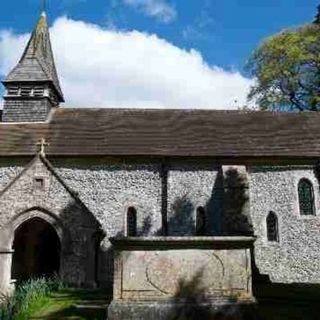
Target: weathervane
[(43, 5)]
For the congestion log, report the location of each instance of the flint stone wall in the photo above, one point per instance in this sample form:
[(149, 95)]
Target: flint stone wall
[(20, 201), (190, 187), (107, 189), (296, 257)]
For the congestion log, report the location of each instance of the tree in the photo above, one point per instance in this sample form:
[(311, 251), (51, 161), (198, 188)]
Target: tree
[(287, 70), (317, 17)]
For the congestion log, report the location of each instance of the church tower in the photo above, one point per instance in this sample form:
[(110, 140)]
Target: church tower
[(32, 87)]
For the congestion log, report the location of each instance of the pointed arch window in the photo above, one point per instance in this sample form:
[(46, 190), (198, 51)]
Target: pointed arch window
[(131, 222), (201, 221), (306, 197), (272, 227)]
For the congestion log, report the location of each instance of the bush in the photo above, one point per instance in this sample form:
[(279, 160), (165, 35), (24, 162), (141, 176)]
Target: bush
[(27, 297)]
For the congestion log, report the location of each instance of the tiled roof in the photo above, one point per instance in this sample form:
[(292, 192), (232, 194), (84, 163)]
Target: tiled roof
[(167, 133)]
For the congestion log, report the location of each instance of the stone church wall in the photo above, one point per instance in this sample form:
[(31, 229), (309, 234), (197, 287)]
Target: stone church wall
[(107, 189), (191, 187), (22, 199), (296, 257)]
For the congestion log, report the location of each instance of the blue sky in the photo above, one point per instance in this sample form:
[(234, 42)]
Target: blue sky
[(224, 33)]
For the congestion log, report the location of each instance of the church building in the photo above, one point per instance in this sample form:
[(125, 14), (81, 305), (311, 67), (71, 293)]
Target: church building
[(73, 179)]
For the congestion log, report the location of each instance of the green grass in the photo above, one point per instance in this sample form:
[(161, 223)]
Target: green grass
[(72, 304), (288, 301), (50, 300), (27, 298), (275, 302), (40, 300)]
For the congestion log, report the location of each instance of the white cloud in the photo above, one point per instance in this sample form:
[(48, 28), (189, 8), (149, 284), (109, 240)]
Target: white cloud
[(108, 68), (200, 27), (158, 9), (11, 47)]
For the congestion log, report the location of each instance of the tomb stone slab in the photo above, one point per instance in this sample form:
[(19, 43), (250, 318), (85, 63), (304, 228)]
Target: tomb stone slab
[(165, 275)]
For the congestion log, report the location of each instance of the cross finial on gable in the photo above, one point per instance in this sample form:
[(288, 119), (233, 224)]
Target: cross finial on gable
[(41, 145)]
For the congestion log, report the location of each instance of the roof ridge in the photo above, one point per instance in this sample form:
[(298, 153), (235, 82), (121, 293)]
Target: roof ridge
[(186, 110)]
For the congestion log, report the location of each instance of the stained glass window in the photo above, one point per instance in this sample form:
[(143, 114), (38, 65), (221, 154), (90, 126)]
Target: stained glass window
[(272, 227), (132, 222), (306, 197), (201, 221)]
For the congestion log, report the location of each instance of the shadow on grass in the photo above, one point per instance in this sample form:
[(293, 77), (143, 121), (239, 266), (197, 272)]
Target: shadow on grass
[(76, 305), (73, 312), (279, 301), (284, 301)]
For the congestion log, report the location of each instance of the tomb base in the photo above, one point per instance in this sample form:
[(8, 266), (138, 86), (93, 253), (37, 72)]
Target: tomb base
[(182, 278), (182, 310)]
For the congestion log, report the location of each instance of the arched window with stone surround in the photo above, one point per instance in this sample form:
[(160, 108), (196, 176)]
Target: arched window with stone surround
[(201, 221), (272, 227), (131, 222), (306, 197)]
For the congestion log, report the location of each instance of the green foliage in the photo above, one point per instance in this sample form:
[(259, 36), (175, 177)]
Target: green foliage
[(287, 70), (27, 297), (64, 304), (317, 17)]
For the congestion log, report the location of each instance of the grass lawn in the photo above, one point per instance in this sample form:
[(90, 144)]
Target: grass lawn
[(275, 302), (288, 302), (72, 304)]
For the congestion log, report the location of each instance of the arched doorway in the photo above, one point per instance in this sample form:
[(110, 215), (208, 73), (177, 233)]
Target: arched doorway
[(36, 250)]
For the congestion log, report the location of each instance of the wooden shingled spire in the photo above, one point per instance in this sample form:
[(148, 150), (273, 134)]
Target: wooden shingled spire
[(37, 62)]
